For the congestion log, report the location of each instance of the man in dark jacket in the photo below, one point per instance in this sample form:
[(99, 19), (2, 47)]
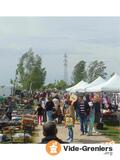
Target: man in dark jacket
[(50, 132), (10, 108), (49, 109)]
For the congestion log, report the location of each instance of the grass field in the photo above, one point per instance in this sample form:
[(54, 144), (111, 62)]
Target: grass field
[(112, 132)]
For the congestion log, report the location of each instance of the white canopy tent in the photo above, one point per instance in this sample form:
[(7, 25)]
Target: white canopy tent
[(75, 86), (81, 88), (112, 85), (96, 82), (85, 85)]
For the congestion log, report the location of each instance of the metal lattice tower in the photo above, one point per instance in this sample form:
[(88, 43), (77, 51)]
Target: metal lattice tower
[(65, 68)]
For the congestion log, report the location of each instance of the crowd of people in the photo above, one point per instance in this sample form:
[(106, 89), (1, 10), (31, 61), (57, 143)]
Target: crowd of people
[(58, 107)]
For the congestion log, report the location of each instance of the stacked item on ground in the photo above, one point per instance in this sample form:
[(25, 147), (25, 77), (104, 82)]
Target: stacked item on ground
[(28, 122), (21, 137)]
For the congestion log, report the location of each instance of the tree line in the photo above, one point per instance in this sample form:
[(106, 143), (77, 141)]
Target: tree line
[(31, 75)]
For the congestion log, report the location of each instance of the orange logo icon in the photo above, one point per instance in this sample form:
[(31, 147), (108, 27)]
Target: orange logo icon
[(53, 148)]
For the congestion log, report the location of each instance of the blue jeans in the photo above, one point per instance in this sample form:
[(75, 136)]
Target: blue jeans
[(83, 123), (70, 133), (49, 115), (76, 115), (91, 122)]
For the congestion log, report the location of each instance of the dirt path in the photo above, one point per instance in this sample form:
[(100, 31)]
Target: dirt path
[(62, 134)]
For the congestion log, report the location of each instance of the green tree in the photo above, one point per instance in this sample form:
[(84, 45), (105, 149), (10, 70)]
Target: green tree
[(96, 69), (29, 71), (61, 84), (79, 72), (50, 86)]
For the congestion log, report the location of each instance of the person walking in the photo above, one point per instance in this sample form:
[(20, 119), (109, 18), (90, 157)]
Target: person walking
[(91, 118), (39, 113), (82, 108), (49, 109), (69, 124), (43, 103), (97, 106), (70, 120), (10, 107)]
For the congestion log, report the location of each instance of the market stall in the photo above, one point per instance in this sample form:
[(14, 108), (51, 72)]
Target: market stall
[(71, 89), (19, 129), (79, 88), (112, 85)]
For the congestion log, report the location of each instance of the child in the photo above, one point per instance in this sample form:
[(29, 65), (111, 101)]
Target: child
[(69, 123), (39, 112)]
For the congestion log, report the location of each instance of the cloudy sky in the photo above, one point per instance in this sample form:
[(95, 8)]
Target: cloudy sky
[(82, 38)]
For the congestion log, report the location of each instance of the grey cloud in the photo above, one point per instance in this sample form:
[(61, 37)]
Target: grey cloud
[(86, 38)]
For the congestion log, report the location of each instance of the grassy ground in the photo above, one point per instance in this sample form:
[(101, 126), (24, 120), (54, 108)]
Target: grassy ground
[(112, 132)]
